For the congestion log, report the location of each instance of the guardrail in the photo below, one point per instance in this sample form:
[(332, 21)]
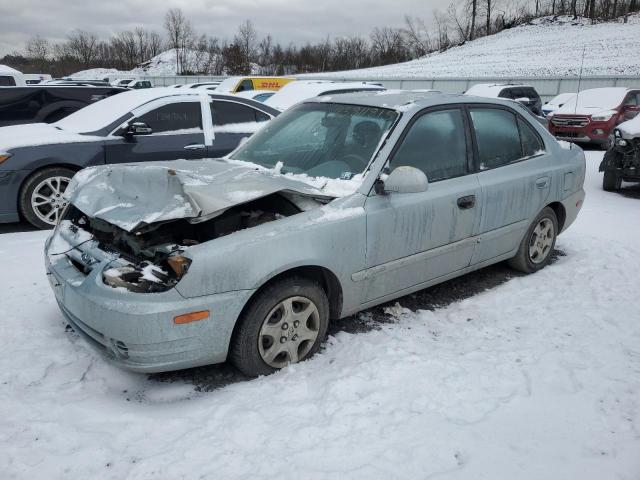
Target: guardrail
[(547, 87)]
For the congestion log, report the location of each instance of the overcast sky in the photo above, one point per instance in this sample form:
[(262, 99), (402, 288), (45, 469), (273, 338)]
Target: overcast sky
[(286, 20)]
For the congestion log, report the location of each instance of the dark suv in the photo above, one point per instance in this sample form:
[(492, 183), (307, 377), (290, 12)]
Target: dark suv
[(523, 94)]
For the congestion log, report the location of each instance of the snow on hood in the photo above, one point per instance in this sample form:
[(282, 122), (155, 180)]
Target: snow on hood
[(630, 128), (133, 195), (35, 134), (595, 100)]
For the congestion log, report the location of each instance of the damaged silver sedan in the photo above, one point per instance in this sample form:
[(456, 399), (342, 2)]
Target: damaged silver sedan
[(337, 205)]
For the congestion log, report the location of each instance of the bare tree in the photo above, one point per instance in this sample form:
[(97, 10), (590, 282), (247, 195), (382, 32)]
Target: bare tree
[(474, 14), (246, 39), (83, 46), (180, 35), (417, 36)]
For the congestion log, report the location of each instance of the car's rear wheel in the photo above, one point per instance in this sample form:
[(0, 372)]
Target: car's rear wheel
[(285, 323), (41, 198), (538, 243), (611, 181)]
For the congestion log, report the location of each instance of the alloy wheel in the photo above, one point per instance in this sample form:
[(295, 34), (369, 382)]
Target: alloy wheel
[(47, 200)]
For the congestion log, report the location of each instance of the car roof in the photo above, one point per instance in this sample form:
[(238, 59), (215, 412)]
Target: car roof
[(295, 92), (403, 100), (492, 89)]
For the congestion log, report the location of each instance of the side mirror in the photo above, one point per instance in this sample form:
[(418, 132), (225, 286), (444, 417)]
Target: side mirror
[(403, 180), (138, 128)]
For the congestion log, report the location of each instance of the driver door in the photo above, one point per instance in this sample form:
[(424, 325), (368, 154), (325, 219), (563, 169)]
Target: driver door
[(177, 132), (413, 238)]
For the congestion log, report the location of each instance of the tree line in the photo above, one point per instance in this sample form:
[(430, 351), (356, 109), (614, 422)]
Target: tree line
[(246, 52)]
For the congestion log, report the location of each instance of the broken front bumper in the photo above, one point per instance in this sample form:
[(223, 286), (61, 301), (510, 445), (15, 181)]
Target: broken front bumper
[(137, 330)]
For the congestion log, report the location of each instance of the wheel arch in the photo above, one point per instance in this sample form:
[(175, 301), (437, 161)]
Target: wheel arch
[(325, 278), (561, 214)]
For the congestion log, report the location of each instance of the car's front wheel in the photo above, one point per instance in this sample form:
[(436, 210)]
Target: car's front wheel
[(538, 243), (285, 323), (41, 198)]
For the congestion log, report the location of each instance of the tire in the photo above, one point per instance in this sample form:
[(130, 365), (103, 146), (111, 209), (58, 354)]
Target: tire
[(535, 249), (267, 336), (611, 181), (41, 202)]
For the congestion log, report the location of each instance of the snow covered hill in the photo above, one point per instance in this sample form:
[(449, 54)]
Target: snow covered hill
[(163, 64), (534, 379), (546, 47)]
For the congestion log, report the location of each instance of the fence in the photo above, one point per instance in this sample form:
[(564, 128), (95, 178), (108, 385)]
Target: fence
[(547, 87)]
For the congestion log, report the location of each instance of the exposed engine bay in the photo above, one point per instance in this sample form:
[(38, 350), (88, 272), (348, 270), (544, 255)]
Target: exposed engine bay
[(150, 258)]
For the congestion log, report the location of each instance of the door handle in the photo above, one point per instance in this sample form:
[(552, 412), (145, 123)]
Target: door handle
[(542, 182), (194, 146), (465, 203)]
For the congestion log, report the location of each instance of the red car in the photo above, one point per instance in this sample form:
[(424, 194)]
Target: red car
[(593, 114)]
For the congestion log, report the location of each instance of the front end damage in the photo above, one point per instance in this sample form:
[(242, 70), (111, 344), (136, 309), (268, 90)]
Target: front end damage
[(146, 217), (150, 259), (623, 158)]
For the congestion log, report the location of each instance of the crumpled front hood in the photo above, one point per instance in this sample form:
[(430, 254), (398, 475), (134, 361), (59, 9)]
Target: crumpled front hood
[(35, 134), (133, 195)]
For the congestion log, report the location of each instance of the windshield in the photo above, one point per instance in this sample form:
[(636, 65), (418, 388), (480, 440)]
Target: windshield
[(603, 98), (319, 139)]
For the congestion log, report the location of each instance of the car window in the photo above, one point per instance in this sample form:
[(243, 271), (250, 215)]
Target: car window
[(174, 117), (508, 93), (245, 85), (632, 99), (225, 113), (529, 92), (531, 141), (7, 81), (435, 144), (497, 137)]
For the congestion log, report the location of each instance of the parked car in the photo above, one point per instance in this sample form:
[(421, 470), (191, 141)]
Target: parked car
[(212, 84), (556, 102), (241, 84), (592, 115), (622, 160), (76, 83), (300, 90), (138, 84), (335, 206), (524, 94), (47, 103), (121, 82), (257, 95), (36, 78), (39, 160), (10, 77)]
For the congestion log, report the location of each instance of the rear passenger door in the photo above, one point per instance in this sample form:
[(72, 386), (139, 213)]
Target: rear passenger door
[(515, 175), (413, 238), (232, 122)]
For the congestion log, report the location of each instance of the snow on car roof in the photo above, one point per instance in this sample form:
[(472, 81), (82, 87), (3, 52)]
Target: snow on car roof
[(561, 99), (98, 115), (399, 100), (595, 98), (7, 69), (490, 90), (300, 90)]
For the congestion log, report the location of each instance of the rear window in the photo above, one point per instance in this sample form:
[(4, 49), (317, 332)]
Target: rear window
[(7, 81), (226, 113)]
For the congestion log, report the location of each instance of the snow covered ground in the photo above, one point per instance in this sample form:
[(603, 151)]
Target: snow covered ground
[(547, 47), (536, 378)]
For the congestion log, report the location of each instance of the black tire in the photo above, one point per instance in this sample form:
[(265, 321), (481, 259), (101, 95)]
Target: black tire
[(24, 201), (523, 260), (611, 181), (244, 352)]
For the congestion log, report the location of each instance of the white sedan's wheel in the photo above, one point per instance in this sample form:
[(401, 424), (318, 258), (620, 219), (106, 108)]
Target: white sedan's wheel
[(289, 332), (541, 241)]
